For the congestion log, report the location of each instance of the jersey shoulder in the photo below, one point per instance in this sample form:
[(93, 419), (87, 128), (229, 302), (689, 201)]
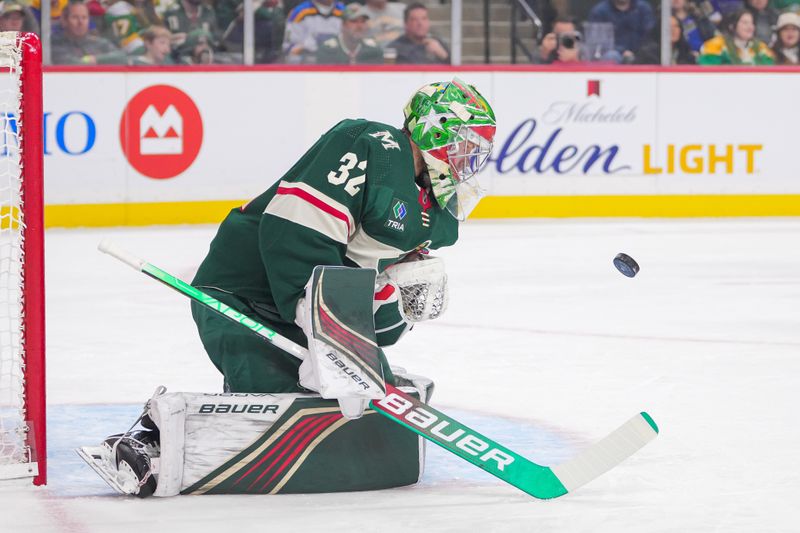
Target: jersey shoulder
[(375, 135), (385, 149)]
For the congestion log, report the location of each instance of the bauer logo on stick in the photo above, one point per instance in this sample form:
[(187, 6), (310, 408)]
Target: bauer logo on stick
[(626, 265)]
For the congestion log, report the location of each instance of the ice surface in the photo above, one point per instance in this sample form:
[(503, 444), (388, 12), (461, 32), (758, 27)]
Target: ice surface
[(545, 347)]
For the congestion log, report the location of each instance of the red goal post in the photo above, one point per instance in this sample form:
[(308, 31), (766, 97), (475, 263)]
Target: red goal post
[(23, 451)]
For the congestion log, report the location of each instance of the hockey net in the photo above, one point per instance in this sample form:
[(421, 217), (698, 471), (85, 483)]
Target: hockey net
[(22, 397)]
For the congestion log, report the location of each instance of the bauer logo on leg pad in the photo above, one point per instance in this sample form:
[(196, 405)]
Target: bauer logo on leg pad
[(234, 408), (347, 370), (428, 423)]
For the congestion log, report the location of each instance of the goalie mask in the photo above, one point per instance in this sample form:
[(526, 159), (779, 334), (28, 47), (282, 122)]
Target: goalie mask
[(454, 127)]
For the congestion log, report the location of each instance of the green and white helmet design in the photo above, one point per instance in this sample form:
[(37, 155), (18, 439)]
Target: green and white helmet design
[(454, 127)]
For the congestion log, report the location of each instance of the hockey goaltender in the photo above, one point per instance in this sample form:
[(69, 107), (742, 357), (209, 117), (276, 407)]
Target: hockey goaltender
[(336, 251)]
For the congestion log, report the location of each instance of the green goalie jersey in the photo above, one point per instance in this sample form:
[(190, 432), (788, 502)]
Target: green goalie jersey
[(350, 200)]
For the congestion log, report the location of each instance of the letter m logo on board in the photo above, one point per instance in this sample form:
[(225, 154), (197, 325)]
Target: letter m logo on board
[(161, 134), (161, 131)]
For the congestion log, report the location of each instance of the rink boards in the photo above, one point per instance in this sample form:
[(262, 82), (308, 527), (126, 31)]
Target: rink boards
[(168, 146)]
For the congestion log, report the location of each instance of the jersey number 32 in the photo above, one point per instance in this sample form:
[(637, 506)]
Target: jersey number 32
[(349, 162)]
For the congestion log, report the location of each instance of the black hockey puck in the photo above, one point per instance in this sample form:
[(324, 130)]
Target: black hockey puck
[(626, 265)]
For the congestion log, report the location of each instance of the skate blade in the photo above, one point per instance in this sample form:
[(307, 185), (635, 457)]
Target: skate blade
[(97, 458)]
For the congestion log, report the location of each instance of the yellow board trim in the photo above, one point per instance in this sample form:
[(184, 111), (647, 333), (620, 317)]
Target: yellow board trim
[(137, 214), (661, 206)]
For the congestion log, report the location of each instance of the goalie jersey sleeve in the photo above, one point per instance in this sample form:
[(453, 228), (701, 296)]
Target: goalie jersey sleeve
[(350, 200)]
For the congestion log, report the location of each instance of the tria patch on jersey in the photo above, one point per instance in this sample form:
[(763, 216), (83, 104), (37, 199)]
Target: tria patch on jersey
[(387, 141), (397, 213)]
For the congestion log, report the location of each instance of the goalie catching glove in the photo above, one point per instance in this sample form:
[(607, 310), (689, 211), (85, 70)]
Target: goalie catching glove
[(422, 283), (344, 361)]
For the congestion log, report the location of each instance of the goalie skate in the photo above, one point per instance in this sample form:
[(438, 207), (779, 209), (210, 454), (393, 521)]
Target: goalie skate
[(126, 462)]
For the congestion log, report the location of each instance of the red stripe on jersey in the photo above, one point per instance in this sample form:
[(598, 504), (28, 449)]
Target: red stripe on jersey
[(316, 202), (385, 292)]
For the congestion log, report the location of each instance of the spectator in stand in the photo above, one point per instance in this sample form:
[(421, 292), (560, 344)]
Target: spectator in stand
[(351, 47), (17, 17), (787, 39), (123, 24), (12, 16), (270, 21), (75, 46), (186, 16), (197, 48), (309, 24), (633, 22), (764, 18), (385, 22), (547, 51), (697, 28), (568, 49), (157, 45), (150, 11), (650, 52), (718, 10), (417, 45), (682, 53), (737, 45), (56, 8), (96, 12)]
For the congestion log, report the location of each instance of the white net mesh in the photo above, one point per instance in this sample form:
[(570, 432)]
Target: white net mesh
[(13, 427)]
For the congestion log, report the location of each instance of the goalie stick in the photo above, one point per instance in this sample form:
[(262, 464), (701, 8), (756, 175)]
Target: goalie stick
[(543, 482)]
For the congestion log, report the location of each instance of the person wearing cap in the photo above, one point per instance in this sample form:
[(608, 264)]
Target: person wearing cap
[(350, 47), (16, 17), (12, 17), (787, 39), (196, 49)]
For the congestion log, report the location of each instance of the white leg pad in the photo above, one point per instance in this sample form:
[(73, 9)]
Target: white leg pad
[(168, 411)]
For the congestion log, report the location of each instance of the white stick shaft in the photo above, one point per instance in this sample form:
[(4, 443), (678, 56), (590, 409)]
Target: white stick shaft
[(107, 247)]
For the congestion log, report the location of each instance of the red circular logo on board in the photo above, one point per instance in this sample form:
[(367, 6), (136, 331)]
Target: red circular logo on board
[(161, 131)]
